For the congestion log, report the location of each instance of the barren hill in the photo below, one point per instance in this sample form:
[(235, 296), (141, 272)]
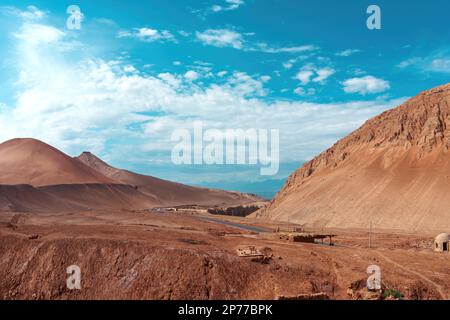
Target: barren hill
[(33, 162), (35, 177), (73, 197), (167, 192), (394, 171)]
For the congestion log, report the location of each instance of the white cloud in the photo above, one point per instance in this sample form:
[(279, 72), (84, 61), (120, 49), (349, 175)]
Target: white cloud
[(3, 106), (184, 33), (264, 47), (93, 104), (234, 4), (102, 103), (304, 76), (440, 65), (245, 85), (227, 5), (170, 79), (236, 40), (129, 68), (191, 75), (433, 63), (148, 35), (348, 52), (31, 13), (221, 38), (105, 21), (411, 62), (304, 92), (358, 72), (311, 73), (366, 85), (323, 74), (289, 64), (36, 34), (201, 69), (203, 63)]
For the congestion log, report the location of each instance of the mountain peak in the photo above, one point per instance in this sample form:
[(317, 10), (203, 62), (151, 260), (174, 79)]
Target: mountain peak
[(94, 162), (31, 161), (393, 169), (26, 141)]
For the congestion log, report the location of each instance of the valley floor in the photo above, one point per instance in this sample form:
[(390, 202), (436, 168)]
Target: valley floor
[(192, 255)]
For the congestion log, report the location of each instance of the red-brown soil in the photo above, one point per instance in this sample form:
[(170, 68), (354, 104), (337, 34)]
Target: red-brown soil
[(148, 255)]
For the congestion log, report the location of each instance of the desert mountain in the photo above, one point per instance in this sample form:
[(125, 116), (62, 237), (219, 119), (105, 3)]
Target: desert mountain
[(394, 171), (167, 192), (35, 177), (30, 161)]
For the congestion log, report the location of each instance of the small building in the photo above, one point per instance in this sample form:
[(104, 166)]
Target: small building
[(305, 237), (441, 243)]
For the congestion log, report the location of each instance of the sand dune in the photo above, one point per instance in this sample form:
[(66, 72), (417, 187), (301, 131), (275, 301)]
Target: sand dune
[(394, 172)]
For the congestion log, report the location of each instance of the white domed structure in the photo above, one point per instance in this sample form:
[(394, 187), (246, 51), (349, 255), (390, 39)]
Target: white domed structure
[(441, 243)]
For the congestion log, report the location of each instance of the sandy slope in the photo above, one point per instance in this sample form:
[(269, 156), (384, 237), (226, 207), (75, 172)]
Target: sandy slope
[(167, 192), (393, 171), (72, 197), (26, 198), (30, 161)]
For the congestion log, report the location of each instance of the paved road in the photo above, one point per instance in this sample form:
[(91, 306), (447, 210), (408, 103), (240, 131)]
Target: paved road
[(235, 225)]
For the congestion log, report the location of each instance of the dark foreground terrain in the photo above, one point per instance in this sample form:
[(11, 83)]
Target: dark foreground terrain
[(181, 255)]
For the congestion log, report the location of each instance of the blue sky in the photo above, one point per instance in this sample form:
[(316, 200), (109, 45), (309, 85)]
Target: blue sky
[(138, 70)]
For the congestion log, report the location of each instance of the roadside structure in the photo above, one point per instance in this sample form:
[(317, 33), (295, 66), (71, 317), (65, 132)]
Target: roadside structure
[(441, 243)]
